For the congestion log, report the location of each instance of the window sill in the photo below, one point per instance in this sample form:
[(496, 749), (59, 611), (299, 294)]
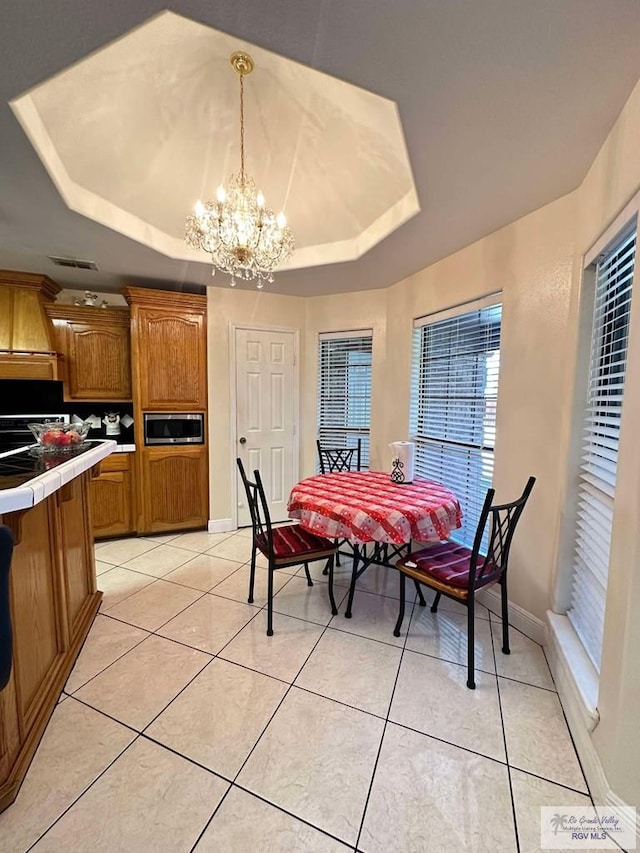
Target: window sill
[(573, 668)]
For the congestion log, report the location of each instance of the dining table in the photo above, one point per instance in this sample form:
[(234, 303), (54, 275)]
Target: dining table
[(364, 507)]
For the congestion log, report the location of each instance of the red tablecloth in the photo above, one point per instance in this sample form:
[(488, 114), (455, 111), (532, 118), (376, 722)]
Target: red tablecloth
[(365, 506)]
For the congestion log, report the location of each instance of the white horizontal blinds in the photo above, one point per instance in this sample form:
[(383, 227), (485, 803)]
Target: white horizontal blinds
[(344, 390), (455, 390), (597, 475)]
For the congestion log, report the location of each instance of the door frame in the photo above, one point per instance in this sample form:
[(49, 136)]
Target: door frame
[(233, 399)]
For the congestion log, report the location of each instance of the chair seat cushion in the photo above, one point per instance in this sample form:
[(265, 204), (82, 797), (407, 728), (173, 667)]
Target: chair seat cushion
[(449, 563), (293, 541)]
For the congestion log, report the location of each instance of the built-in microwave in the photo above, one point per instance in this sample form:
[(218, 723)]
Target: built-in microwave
[(174, 428)]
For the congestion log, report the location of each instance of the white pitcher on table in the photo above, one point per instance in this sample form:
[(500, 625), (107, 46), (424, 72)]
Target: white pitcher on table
[(402, 461)]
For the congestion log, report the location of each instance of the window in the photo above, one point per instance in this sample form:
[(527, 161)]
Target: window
[(344, 390), (600, 429), (456, 364)]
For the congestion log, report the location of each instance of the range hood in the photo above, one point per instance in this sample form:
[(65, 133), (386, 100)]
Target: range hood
[(26, 334)]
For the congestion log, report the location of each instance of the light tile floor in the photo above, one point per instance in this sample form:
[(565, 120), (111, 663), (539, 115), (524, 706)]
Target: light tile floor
[(183, 727)]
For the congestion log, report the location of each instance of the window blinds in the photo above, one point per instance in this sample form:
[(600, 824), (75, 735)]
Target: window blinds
[(344, 390), (456, 366), (601, 427)]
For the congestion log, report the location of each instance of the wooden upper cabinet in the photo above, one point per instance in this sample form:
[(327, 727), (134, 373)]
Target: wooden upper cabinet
[(26, 341), (96, 351), (169, 340)]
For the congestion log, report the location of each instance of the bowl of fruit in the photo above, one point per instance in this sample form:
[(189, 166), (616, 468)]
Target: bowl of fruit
[(57, 437)]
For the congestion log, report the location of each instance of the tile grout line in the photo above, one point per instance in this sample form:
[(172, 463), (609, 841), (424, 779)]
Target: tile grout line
[(250, 753), (153, 579), (504, 738), (294, 816), (82, 793), (386, 723), (149, 634)]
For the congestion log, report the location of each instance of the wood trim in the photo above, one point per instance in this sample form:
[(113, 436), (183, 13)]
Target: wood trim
[(32, 281), (28, 366), (93, 317), (415, 574), (164, 299)]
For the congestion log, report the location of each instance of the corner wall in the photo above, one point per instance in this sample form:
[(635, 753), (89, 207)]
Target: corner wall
[(537, 264)]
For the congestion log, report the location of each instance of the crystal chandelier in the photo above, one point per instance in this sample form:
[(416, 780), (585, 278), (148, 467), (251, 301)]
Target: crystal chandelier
[(243, 236)]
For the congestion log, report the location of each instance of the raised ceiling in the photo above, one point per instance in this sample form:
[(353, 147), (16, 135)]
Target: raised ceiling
[(503, 103), (133, 135)]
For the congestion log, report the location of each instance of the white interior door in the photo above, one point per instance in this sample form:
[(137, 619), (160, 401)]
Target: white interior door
[(266, 414)]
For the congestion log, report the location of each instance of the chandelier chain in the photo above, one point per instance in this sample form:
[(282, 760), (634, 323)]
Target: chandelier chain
[(242, 126)]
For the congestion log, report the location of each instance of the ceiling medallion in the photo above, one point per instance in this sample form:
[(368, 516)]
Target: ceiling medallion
[(244, 237)]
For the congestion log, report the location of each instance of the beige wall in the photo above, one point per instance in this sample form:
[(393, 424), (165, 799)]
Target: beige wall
[(342, 312), (612, 181), (530, 261), (224, 308), (537, 264)]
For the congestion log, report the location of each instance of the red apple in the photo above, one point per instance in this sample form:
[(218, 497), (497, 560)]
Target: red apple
[(75, 437), (50, 436), (63, 440)]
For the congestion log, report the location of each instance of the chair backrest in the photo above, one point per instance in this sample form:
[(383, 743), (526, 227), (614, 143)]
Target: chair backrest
[(258, 507), (335, 459), (6, 645), (504, 519)]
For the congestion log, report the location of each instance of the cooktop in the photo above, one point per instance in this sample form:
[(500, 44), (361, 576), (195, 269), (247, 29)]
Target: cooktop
[(19, 468)]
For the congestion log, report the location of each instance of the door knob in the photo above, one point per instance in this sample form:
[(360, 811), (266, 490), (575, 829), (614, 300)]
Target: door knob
[(243, 440)]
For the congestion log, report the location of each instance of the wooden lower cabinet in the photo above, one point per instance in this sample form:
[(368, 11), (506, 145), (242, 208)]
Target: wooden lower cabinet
[(112, 497), (53, 604), (174, 489)]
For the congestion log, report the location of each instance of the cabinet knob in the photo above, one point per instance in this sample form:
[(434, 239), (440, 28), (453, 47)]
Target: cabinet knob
[(243, 440)]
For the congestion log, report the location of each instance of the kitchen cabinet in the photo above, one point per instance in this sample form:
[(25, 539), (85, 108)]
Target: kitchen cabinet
[(169, 350), (174, 489), (112, 497), (95, 349), (26, 339), (54, 600)]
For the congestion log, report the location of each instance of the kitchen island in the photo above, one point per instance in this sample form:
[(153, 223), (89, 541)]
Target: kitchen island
[(44, 500)]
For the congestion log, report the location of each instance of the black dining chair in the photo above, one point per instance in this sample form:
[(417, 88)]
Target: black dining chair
[(459, 572), (6, 642), (336, 459), (286, 546)]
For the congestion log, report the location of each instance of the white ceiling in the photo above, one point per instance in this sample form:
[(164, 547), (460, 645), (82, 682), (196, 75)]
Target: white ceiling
[(133, 135), (503, 103)]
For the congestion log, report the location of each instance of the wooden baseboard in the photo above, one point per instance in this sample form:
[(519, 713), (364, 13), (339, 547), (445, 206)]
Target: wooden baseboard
[(9, 789)]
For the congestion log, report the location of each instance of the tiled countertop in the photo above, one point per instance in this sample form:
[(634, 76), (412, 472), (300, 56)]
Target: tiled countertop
[(41, 486)]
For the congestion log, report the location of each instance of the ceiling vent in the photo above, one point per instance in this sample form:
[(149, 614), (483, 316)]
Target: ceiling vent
[(73, 262)]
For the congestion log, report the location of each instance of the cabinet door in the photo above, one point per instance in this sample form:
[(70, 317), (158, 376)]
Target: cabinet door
[(98, 362), (174, 489), (76, 549), (111, 507), (172, 369), (40, 632)]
